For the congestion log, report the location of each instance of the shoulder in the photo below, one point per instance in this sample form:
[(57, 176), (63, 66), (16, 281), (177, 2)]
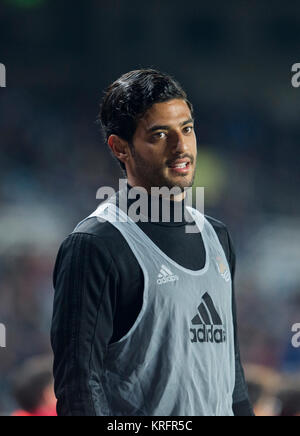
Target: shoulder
[(219, 227), (88, 248), (224, 237), (99, 234), (217, 224), (89, 236), (95, 227)]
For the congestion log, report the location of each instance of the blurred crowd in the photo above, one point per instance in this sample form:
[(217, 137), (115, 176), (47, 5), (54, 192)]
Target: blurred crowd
[(52, 164), (273, 393)]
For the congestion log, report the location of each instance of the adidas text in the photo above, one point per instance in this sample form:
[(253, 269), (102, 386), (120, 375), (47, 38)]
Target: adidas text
[(165, 276), (167, 279), (205, 334)]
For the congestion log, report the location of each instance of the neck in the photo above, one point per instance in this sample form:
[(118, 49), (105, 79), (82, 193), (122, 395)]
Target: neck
[(156, 208), (174, 197)]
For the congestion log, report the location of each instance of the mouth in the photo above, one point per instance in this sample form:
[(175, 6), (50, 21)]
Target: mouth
[(181, 166)]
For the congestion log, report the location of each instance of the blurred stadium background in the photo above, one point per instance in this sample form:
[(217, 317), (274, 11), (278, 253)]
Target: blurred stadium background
[(234, 59)]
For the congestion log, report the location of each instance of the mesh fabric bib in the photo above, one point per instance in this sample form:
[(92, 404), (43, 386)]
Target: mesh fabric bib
[(178, 357)]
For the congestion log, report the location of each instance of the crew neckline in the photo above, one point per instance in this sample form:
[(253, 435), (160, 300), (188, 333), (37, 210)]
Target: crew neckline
[(119, 212), (178, 206)]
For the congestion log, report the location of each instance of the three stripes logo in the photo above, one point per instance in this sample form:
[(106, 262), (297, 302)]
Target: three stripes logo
[(165, 276), (208, 322)]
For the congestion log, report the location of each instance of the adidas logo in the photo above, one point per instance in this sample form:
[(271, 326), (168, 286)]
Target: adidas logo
[(208, 322), (165, 276)]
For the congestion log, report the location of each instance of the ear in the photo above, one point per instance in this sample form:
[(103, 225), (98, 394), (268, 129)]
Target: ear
[(119, 147)]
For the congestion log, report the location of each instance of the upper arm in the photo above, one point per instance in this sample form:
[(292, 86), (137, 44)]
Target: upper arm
[(241, 401), (82, 322)]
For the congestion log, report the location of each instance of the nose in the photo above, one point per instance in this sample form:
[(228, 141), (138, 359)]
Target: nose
[(179, 143)]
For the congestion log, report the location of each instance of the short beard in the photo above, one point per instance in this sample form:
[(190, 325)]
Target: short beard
[(147, 172)]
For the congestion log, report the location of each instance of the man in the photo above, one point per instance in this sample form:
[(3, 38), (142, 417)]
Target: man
[(144, 318)]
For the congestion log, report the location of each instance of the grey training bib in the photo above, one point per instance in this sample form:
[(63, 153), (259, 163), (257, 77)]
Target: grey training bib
[(178, 358)]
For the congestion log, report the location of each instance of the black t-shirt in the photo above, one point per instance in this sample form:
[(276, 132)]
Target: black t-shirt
[(99, 294)]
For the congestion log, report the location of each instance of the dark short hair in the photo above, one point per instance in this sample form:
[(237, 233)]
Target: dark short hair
[(128, 98)]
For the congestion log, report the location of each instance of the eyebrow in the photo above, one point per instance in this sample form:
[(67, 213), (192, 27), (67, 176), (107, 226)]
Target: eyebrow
[(160, 127)]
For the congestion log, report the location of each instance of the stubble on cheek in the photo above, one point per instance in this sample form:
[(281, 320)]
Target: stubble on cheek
[(159, 175)]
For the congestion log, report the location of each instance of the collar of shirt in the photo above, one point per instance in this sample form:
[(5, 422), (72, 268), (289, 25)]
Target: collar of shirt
[(169, 213)]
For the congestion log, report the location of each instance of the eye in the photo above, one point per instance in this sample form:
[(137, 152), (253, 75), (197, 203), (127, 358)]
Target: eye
[(188, 129), (159, 135)]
